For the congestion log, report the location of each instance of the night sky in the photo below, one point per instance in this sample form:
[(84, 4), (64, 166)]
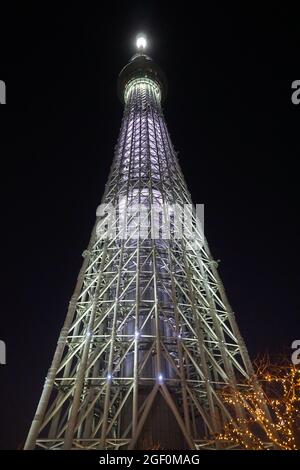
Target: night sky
[(230, 116)]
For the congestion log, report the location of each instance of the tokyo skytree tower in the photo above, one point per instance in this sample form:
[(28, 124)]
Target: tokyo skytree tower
[(149, 339)]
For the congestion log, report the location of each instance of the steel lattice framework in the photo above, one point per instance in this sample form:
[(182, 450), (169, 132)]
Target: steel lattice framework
[(149, 321)]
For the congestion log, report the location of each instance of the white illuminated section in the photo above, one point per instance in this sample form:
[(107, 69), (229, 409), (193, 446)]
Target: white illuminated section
[(141, 42), (140, 85)]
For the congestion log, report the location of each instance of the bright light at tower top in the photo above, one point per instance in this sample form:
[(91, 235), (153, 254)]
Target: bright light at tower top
[(141, 42)]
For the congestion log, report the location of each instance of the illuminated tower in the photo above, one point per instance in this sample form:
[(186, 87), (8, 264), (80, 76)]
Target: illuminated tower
[(149, 338)]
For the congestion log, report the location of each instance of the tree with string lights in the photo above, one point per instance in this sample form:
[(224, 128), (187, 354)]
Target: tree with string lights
[(276, 425)]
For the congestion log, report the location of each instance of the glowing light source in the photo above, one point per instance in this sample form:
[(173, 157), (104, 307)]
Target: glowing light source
[(160, 378), (109, 377), (141, 42)]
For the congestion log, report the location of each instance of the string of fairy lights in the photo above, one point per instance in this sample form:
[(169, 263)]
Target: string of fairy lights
[(270, 413)]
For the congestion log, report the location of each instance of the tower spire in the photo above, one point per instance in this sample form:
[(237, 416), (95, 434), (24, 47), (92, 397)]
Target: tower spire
[(149, 338)]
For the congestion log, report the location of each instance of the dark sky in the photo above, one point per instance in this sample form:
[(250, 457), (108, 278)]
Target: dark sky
[(230, 116)]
